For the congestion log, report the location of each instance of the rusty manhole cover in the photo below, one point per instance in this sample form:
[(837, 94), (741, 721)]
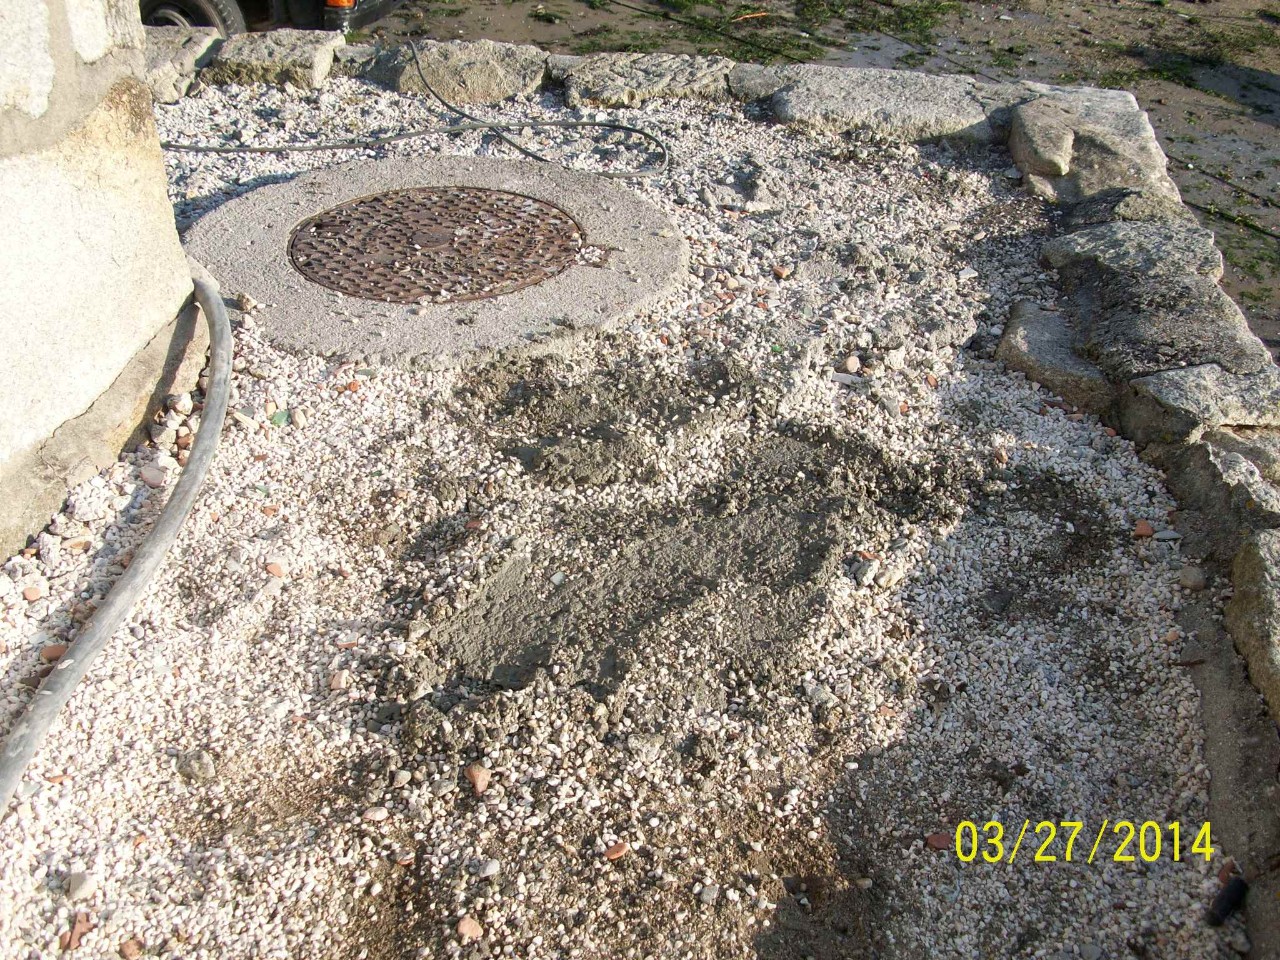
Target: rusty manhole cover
[(435, 244)]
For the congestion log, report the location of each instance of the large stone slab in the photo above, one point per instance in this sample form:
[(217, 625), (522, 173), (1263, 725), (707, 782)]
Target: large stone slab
[(894, 104), (1038, 343), (1041, 138), (1075, 142), (1176, 406), (172, 57), (463, 72), (299, 57), (92, 272), (1145, 299), (627, 79), (1253, 613)]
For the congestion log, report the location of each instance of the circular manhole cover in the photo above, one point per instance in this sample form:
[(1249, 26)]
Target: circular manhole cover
[(435, 244)]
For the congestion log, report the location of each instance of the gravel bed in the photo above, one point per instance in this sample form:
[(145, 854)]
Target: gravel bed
[(674, 645)]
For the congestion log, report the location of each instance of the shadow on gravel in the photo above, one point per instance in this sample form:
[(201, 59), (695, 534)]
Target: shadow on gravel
[(1037, 543)]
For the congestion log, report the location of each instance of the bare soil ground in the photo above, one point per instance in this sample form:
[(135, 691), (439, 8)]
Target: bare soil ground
[(1208, 73)]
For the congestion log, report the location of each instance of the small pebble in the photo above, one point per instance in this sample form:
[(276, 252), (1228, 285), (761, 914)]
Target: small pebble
[(197, 765), (478, 776), (1192, 578), (617, 851), (81, 885)]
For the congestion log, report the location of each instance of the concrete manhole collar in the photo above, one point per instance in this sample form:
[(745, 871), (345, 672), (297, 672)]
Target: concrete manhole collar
[(435, 244), (416, 263)]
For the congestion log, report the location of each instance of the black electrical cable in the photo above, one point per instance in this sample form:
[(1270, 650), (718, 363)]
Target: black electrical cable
[(52, 695)]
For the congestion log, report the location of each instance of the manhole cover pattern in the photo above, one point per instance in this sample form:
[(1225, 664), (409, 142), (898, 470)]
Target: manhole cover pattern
[(435, 244)]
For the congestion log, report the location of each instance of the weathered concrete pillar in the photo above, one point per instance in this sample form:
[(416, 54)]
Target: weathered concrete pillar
[(92, 275)]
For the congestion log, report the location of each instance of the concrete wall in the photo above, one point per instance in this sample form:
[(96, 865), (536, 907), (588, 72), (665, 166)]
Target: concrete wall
[(92, 275)]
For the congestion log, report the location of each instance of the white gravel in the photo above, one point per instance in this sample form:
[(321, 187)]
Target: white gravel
[(259, 767)]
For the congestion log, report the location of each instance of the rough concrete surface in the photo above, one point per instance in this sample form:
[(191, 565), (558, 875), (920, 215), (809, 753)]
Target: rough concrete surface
[(1149, 248), (1136, 325), (643, 257), (478, 72), (92, 211), (173, 55), (1260, 446), (58, 60), (1178, 405), (1253, 613), (26, 61), (99, 27), (1125, 204), (300, 57), (1225, 486), (1145, 299), (1244, 753), (36, 481)]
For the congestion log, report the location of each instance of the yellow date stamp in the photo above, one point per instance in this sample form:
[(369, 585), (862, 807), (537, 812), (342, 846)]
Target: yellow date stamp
[(1067, 841)]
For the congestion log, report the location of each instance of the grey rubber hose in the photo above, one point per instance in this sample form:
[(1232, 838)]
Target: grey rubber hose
[(29, 732)]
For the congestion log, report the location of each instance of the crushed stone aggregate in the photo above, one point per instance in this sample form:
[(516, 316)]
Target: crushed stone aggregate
[(683, 643)]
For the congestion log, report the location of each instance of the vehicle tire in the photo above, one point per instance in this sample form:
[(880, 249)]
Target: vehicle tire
[(225, 15)]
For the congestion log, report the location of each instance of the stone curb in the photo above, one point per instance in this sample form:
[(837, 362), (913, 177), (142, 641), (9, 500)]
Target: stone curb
[(1253, 613), (1145, 337), (302, 58)]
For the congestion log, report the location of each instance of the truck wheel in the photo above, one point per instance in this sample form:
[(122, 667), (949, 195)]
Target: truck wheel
[(225, 15)]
